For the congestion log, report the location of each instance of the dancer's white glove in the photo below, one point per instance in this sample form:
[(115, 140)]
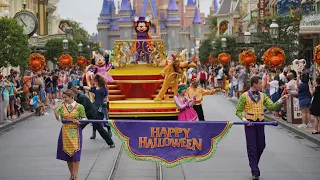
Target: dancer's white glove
[(244, 120)]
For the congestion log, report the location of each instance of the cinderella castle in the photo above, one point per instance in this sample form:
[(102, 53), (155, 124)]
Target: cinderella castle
[(180, 26)]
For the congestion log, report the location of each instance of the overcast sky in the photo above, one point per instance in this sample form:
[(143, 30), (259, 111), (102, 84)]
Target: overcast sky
[(87, 11)]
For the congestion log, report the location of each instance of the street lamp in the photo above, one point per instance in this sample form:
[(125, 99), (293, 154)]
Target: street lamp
[(274, 30), (65, 44), (213, 44), (34, 40), (80, 45), (5, 13), (223, 43), (247, 38)]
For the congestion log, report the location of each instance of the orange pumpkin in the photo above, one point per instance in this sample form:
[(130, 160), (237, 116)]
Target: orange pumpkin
[(224, 58), (37, 62), (81, 61), (274, 57), (65, 60)]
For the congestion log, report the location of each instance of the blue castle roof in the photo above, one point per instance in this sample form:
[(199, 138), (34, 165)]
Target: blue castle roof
[(125, 5), (172, 6), (191, 3), (196, 19), (107, 7), (215, 6), (153, 6)]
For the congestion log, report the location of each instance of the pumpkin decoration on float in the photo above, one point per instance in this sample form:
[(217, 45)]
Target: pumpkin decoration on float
[(247, 58), (316, 56), (65, 60), (224, 58), (37, 62), (81, 61), (274, 57)]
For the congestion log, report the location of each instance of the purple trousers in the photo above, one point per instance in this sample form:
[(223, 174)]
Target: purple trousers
[(255, 145)]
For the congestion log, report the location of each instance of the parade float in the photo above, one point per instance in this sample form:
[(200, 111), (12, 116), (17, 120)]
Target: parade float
[(144, 78)]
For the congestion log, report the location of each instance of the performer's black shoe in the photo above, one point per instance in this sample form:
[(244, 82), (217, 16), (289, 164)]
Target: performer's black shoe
[(94, 132), (255, 177), (113, 145)]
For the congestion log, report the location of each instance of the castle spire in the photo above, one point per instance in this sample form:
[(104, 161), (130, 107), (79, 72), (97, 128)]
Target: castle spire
[(191, 3), (125, 5), (196, 19), (106, 7), (215, 6), (172, 6)]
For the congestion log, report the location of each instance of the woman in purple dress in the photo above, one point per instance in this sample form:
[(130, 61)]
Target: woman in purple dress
[(70, 138)]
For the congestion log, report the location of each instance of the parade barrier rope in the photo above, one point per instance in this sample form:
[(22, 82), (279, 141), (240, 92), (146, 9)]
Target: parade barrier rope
[(171, 143)]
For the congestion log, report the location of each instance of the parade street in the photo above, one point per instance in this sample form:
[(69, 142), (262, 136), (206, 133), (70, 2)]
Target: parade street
[(28, 152)]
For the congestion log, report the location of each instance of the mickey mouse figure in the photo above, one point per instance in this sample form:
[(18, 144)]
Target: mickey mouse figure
[(142, 48)]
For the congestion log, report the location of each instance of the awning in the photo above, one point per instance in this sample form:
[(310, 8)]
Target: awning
[(272, 4), (246, 18)]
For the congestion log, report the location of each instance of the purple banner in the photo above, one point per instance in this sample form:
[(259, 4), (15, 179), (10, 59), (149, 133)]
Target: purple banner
[(170, 143)]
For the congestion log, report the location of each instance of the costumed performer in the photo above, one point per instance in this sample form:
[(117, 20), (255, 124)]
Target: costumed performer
[(101, 93), (92, 113), (195, 91), (252, 104), (70, 138), (184, 104)]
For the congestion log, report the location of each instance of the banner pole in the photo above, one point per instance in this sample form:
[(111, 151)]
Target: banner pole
[(272, 123)]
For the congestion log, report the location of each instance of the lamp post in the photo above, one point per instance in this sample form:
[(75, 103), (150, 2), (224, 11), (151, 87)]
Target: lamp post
[(213, 44), (80, 45), (34, 39), (247, 38), (223, 43), (5, 13), (274, 31), (65, 44)]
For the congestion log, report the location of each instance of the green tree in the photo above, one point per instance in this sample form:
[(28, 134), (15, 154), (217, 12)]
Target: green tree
[(287, 40), (14, 46), (80, 34), (54, 49), (213, 22)]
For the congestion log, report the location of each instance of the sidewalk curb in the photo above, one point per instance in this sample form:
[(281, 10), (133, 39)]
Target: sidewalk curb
[(7, 126), (292, 128)]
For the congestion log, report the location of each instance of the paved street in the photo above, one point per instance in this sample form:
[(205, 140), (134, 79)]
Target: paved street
[(28, 150)]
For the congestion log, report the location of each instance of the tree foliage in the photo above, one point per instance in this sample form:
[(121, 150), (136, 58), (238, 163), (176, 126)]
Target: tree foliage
[(54, 49), (212, 22), (80, 34), (288, 37), (14, 46)]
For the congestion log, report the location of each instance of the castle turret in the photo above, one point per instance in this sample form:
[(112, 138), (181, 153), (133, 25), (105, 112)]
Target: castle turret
[(125, 21), (191, 3), (173, 26), (197, 24), (104, 22)]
